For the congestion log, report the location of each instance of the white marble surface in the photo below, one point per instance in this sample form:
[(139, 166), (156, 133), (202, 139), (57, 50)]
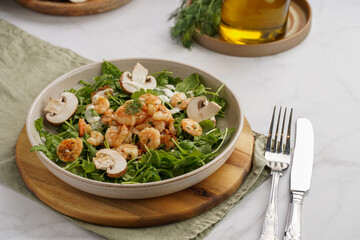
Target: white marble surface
[(319, 78)]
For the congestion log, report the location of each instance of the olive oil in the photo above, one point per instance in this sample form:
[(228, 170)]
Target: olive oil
[(253, 21)]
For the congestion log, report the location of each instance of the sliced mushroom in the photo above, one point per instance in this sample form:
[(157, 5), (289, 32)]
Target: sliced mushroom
[(112, 161), (139, 78), (60, 110), (200, 109)]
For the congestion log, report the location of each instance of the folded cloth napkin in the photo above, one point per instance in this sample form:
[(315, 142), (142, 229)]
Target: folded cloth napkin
[(27, 65)]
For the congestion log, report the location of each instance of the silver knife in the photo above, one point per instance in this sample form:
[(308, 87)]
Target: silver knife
[(300, 177)]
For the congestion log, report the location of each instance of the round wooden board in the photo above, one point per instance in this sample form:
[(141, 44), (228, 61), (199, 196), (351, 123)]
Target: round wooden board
[(298, 27), (136, 213), (72, 9)]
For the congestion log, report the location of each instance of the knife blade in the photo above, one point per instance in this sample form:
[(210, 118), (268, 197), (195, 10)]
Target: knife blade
[(300, 177)]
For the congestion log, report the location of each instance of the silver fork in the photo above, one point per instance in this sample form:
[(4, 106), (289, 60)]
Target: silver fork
[(278, 159)]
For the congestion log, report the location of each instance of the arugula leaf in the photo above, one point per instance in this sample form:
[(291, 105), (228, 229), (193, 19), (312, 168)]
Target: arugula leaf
[(188, 84), (84, 95), (164, 78), (111, 69), (200, 90), (88, 167), (40, 127), (187, 145), (222, 102), (142, 91), (91, 149), (97, 176), (39, 124), (207, 125), (43, 148)]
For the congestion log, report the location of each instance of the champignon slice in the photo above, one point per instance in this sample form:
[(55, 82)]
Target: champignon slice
[(103, 162), (60, 110), (112, 161), (200, 109), (139, 73), (139, 78)]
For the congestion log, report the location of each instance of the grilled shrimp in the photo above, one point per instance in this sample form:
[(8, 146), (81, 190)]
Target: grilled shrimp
[(130, 151), (177, 99), (141, 117), (116, 135), (190, 126), (166, 139), (96, 138), (150, 122), (162, 114), (180, 100), (150, 137), (70, 149), (150, 99), (171, 127), (108, 116), (101, 104), (84, 128), (128, 138), (122, 117), (185, 103)]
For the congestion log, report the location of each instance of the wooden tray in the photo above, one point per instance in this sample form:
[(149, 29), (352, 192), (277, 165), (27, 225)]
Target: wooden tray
[(298, 27), (136, 213), (72, 9)]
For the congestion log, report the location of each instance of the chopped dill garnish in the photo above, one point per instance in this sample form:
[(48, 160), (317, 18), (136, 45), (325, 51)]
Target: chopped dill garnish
[(133, 107)]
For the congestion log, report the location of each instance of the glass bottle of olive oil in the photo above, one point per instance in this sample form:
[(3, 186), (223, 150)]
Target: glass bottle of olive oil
[(253, 21)]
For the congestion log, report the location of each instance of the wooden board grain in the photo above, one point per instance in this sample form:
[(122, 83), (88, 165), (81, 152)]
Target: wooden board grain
[(72, 9), (136, 213)]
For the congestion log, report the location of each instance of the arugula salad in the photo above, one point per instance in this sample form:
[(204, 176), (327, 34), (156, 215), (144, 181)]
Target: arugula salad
[(133, 127)]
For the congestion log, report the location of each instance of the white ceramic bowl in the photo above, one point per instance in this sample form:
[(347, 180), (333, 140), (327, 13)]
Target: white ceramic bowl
[(234, 118)]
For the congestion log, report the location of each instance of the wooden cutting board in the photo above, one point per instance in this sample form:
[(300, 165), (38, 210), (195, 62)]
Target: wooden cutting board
[(72, 9), (136, 213)]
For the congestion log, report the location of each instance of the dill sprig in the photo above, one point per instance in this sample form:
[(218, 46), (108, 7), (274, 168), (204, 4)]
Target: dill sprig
[(203, 15), (133, 107)]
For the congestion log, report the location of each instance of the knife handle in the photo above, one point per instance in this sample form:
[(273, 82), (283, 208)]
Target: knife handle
[(270, 226), (293, 222)]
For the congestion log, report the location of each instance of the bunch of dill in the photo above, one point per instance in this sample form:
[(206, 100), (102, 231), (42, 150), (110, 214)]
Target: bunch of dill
[(203, 15)]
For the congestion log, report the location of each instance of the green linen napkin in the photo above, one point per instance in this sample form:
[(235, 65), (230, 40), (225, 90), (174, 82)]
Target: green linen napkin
[(27, 65)]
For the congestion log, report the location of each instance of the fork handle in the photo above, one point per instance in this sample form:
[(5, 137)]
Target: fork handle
[(293, 222), (270, 226)]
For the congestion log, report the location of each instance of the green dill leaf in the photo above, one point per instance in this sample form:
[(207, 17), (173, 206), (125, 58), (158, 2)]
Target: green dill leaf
[(203, 15), (133, 107)]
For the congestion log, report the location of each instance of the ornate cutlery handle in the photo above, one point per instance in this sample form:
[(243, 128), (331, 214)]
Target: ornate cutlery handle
[(270, 226), (293, 222)]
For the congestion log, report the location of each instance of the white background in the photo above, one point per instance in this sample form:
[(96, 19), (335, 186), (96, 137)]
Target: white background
[(320, 79)]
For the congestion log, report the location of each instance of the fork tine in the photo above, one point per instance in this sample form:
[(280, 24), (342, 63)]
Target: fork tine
[(287, 146), (268, 143), (277, 132), (280, 146)]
